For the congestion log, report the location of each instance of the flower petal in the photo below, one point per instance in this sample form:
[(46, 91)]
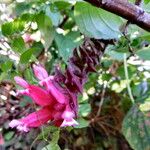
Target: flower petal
[(19, 125), (21, 82), (35, 119), (38, 95), (54, 90), (68, 115), (70, 122), (40, 72)]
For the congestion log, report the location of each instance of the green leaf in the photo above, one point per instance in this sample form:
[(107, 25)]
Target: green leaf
[(146, 6), (47, 131), (18, 45), (95, 22), (84, 109), (25, 57), (26, 100), (15, 26), (55, 16), (7, 29), (29, 76), (22, 7), (9, 135), (6, 66), (53, 143), (146, 1), (46, 28), (51, 147), (136, 128), (114, 54), (3, 76), (145, 36), (66, 44), (82, 123), (61, 5), (144, 53)]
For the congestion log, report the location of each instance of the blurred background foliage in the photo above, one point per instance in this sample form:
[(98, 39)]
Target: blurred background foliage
[(114, 110)]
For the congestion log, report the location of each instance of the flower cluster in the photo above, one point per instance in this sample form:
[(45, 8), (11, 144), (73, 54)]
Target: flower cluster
[(52, 98), (57, 95)]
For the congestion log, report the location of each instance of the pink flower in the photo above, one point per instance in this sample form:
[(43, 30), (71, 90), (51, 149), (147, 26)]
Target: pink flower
[(53, 99), (57, 95)]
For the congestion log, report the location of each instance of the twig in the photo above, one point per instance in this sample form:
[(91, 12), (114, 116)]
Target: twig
[(102, 100)]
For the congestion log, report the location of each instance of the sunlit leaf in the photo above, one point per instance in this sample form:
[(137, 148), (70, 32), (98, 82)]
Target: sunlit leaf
[(18, 45), (82, 123), (25, 57), (66, 44), (95, 22), (7, 65), (144, 53), (46, 28)]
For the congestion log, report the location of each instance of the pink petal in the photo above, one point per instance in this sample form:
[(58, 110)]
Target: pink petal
[(14, 123), (68, 118), (35, 119), (23, 92), (38, 118), (70, 122), (23, 128), (40, 72), (19, 125), (55, 91), (21, 82), (38, 95), (68, 115)]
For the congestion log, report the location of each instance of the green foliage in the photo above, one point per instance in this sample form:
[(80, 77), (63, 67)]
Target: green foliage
[(51, 147), (6, 66), (136, 127), (54, 28), (18, 45), (9, 135), (53, 143), (144, 53), (66, 44), (93, 22), (146, 1), (82, 123), (25, 56), (10, 28), (46, 28)]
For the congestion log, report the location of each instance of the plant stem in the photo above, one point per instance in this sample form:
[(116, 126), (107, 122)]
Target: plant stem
[(127, 79)]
